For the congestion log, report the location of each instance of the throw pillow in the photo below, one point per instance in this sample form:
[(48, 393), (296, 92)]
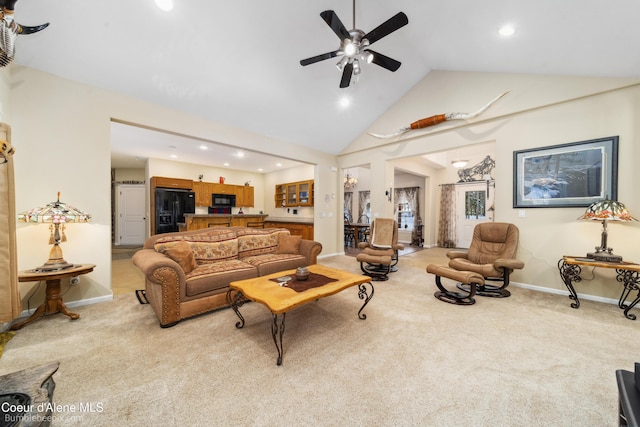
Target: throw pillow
[(182, 254), (288, 244)]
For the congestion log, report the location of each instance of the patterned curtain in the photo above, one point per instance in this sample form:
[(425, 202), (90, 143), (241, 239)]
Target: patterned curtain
[(348, 202), (10, 304), (363, 199), (447, 223), (410, 195)]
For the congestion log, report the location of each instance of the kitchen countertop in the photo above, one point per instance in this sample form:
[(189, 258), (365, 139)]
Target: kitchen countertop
[(289, 219), (223, 215)]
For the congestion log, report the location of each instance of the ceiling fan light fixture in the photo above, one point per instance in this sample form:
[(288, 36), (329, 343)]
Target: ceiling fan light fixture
[(356, 67), (350, 49), (367, 57), (343, 61)]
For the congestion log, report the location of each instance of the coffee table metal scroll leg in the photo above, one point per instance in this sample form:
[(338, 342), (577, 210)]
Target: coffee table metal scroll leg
[(236, 301), (362, 294), (276, 332)]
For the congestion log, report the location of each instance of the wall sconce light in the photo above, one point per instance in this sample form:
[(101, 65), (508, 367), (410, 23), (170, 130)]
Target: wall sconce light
[(487, 177), (388, 194)]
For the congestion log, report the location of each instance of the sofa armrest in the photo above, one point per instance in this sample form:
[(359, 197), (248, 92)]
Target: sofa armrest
[(165, 280), (310, 249), (149, 260), (511, 264)]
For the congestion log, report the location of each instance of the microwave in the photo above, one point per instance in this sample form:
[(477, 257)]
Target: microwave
[(223, 200)]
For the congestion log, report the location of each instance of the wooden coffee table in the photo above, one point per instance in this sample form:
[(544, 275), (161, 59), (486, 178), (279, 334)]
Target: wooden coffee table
[(280, 299)]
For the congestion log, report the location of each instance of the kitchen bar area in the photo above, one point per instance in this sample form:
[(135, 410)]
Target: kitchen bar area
[(199, 221)]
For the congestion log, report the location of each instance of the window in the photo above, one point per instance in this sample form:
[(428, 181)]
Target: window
[(474, 205), (408, 205), (405, 216)]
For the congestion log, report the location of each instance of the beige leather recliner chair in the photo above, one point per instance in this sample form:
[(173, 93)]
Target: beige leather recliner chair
[(379, 256), (491, 257)]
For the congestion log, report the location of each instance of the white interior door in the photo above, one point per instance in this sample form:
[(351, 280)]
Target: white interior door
[(130, 214), (473, 205)]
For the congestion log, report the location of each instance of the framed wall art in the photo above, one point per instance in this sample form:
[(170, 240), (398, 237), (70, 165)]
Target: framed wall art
[(566, 175)]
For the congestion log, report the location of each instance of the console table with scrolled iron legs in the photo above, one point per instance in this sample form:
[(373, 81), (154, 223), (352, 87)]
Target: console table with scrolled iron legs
[(628, 273)]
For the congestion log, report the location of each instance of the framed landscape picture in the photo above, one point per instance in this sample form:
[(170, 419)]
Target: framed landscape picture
[(567, 175)]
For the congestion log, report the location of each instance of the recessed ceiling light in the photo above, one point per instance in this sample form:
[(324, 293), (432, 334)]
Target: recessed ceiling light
[(506, 30), (204, 147), (278, 164), (260, 169), (225, 164), (240, 154), (345, 102), (166, 5), (173, 156)]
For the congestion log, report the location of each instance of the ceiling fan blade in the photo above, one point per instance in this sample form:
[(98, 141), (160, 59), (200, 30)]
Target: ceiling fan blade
[(384, 61), (336, 25), (318, 58), (346, 75), (389, 26)]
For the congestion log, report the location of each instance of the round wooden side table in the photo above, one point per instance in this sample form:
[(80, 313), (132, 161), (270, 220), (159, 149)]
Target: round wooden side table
[(53, 302)]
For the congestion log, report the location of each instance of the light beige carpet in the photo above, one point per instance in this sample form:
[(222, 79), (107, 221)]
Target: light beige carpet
[(527, 360)]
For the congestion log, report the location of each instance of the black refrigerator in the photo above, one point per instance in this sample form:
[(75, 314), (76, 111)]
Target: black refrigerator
[(171, 205)]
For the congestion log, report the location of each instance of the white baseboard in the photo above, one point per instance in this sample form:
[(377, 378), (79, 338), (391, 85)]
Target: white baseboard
[(565, 293), (79, 303)]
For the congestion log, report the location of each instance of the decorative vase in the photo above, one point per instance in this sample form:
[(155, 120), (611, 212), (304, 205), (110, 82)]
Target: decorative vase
[(302, 273)]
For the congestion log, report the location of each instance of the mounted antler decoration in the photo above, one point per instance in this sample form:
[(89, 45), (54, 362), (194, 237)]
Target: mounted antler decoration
[(437, 119), (9, 30)]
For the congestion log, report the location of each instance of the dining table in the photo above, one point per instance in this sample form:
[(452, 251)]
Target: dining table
[(359, 228)]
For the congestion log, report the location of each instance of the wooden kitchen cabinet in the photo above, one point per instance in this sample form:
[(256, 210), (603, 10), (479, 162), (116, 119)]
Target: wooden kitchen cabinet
[(295, 228), (224, 188), (244, 196), (164, 182), (294, 194), (203, 192)]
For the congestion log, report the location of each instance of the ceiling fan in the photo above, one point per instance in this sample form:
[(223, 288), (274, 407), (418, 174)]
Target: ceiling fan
[(354, 45)]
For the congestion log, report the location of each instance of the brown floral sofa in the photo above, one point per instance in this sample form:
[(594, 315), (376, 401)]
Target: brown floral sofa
[(188, 273)]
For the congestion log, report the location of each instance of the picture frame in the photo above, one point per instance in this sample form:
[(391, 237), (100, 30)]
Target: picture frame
[(575, 174)]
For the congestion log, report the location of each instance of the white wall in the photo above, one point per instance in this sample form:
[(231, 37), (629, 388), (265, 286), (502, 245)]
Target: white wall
[(539, 111), (127, 174)]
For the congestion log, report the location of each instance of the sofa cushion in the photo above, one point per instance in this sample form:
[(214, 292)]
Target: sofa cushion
[(215, 244), (288, 244), (274, 263), (181, 253), (258, 241), (216, 276)]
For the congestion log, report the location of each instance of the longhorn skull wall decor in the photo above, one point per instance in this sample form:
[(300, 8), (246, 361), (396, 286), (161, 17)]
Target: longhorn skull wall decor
[(437, 119), (9, 30)]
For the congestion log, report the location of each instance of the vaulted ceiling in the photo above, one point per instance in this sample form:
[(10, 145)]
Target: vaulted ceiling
[(237, 62)]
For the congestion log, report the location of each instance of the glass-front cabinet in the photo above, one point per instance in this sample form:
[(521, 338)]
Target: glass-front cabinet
[(294, 194)]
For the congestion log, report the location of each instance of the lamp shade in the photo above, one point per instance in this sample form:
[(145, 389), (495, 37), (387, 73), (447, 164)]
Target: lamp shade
[(607, 210), (55, 212)]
